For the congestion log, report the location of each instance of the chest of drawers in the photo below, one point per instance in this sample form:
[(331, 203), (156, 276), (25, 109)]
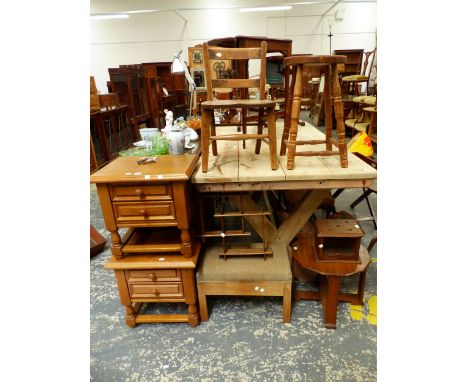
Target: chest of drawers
[(164, 278), (154, 261), (154, 200)]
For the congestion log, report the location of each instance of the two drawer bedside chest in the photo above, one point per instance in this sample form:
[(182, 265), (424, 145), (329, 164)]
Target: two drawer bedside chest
[(155, 260)]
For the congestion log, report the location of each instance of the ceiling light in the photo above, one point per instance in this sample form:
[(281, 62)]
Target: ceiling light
[(261, 9), (103, 16), (143, 11)]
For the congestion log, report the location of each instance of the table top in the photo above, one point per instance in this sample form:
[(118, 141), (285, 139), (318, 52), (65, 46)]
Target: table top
[(166, 168), (237, 169)]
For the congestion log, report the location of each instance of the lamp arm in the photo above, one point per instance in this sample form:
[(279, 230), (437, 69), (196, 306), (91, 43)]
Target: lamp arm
[(189, 78)]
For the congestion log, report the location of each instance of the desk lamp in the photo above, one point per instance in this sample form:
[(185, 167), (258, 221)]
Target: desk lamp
[(179, 66)]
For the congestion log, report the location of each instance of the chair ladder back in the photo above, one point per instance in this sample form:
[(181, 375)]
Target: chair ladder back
[(217, 53)]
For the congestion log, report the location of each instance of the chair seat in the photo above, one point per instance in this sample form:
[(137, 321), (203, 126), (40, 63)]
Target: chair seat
[(350, 122), (354, 78), (361, 126), (368, 100), (214, 268), (235, 103)]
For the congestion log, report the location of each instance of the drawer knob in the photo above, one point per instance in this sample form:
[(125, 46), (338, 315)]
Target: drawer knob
[(143, 212), (155, 292), (151, 276), (139, 192)]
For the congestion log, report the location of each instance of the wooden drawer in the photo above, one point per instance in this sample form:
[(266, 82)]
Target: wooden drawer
[(156, 290), (151, 275), (139, 192), (137, 213)]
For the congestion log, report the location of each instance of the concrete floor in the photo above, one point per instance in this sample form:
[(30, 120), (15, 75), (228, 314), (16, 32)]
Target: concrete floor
[(244, 339)]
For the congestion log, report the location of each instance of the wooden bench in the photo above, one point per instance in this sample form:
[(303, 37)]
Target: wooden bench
[(244, 276)]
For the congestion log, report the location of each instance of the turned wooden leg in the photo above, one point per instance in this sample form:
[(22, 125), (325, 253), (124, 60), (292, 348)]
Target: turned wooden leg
[(295, 113), (186, 245), (193, 315), (205, 138), (116, 247), (130, 316), (338, 107), (244, 125), (287, 113), (330, 303), (328, 108), (214, 145), (259, 130), (271, 118)]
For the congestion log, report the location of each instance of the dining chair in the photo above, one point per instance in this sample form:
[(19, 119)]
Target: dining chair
[(239, 100)]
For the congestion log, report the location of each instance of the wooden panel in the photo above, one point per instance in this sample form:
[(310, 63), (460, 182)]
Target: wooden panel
[(151, 275), (230, 54), (155, 291), (235, 83), (144, 212), (138, 192)]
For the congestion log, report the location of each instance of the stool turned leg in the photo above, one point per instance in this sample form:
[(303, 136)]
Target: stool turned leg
[(338, 107), (244, 125), (205, 138), (287, 113), (328, 108), (295, 112), (331, 303), (271, 118)]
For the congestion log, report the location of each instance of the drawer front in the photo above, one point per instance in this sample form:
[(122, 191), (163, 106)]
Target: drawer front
[(151, 275), (156, 290), (163, 212), (139, 192)]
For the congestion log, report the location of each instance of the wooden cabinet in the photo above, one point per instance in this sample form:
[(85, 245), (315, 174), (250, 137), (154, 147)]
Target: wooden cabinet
[(130, 84), (165, 278), (110, 133), (155, 260), (354, 60), (153, 200), (175, 84)]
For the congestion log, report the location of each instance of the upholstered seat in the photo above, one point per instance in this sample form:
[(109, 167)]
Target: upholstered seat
[(355, 77), (244, 276)]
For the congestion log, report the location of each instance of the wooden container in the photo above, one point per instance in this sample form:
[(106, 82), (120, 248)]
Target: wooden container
[(337, 240)]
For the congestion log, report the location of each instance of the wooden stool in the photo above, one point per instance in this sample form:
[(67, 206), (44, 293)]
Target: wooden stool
[(329, 278), (244, 276), (326, 65)]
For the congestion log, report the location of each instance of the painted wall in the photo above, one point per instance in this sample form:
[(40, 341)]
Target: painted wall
[(151, 37)]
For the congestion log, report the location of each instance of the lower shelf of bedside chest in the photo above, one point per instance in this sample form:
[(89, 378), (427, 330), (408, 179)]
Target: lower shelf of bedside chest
[(161, 278)]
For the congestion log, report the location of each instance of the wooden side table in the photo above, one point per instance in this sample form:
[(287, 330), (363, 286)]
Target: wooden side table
[(154, 195), (157, 279), (329, 278)]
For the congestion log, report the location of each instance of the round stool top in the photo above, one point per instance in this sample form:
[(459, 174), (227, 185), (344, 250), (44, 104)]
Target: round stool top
[(311, 60)]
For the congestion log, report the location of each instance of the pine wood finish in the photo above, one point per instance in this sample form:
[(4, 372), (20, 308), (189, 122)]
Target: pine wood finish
[(332, 94), (264, 106), (165, 278), (154, 195)]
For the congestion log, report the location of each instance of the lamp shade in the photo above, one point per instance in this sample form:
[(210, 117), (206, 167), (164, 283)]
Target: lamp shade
[(177, 66)]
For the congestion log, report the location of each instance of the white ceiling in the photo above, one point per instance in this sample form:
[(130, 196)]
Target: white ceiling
[(112, 6)]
